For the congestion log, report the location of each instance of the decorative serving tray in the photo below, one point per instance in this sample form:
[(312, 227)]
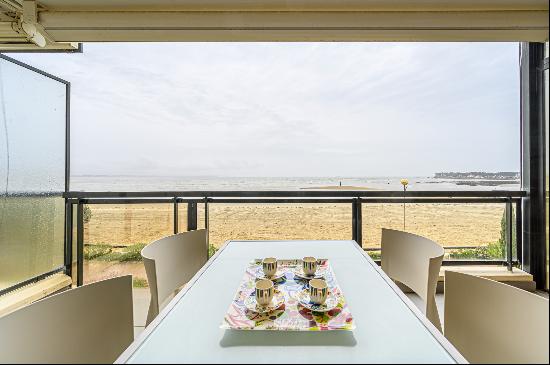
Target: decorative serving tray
[(291, 316)]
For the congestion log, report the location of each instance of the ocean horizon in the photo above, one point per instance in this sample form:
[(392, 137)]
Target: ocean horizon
[(181, 183)]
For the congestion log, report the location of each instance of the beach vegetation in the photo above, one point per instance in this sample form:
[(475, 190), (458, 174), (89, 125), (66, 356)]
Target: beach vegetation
[(375, 255), (212, 250), (492, 251), (140, 283), (87, 214), (93, 252), (131, 253)]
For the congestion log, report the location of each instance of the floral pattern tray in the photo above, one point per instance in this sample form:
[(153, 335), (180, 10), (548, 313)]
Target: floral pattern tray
[(292, 316)]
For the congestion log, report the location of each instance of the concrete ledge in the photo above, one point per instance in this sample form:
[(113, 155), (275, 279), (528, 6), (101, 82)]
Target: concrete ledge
[(31, 293), (516, 277), (498, 273)]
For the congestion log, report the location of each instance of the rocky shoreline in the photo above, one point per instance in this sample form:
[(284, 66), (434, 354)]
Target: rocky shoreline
[(512, 177), (480, 178)]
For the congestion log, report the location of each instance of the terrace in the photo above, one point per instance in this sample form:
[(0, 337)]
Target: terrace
[(56, 240)]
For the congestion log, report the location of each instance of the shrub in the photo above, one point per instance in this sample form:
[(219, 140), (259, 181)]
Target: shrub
[(108, 253), (130, 253), (93, 252), (140, 283), (490, 252), (86, 214), (212, 250), (375, 255), (493, 251)]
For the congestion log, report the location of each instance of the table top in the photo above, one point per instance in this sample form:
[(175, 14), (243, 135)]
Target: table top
[(389, 327)]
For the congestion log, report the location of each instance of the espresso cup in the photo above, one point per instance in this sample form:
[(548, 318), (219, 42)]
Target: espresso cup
[(264, 292), (269, 265), (318, 291), (309, 265)]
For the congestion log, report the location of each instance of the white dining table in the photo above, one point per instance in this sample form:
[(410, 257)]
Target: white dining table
[(389, 328)]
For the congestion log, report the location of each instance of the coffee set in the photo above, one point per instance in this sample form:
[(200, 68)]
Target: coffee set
[(316, 296)]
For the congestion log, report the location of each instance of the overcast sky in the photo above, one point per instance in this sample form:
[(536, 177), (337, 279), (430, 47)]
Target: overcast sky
[(291, 109)]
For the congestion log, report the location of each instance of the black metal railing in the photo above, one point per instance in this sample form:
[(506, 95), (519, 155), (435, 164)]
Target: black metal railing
[(355, 198)]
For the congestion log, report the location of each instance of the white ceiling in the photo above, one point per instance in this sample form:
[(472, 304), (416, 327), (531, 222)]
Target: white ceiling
[(296, 5), (65, 21)]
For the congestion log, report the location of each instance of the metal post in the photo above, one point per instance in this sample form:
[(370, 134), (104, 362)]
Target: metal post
[(80, 244), (519, 245), (356, 221), (206, 227), (404, 208), (508, 222), (359, 214), (176, 216), (192, 216), (68, 238)]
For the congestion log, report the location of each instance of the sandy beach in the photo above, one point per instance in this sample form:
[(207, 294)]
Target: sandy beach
[(449, 224), (121, 226)]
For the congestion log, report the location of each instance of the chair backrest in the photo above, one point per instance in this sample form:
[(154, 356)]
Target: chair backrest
[(89, 324), (491, 322), (170, 262), (414, 261)]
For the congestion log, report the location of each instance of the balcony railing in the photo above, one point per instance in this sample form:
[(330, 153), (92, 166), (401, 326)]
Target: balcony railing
[(358, 201)]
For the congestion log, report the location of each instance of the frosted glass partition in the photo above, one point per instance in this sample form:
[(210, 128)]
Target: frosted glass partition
[(32, 173)]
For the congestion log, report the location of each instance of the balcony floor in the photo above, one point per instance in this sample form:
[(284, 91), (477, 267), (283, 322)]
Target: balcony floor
[(141, 306)]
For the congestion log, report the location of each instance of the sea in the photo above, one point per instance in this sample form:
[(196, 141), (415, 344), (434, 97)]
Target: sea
[(104, 183)]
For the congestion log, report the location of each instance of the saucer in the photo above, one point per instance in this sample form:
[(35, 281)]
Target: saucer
[(299, 272), (304, 299), (278, 275), (277, 301)]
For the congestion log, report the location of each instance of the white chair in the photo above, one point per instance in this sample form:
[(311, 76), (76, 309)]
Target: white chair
[(170, 262), (89, 324), (414, 261), (491, 322)]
